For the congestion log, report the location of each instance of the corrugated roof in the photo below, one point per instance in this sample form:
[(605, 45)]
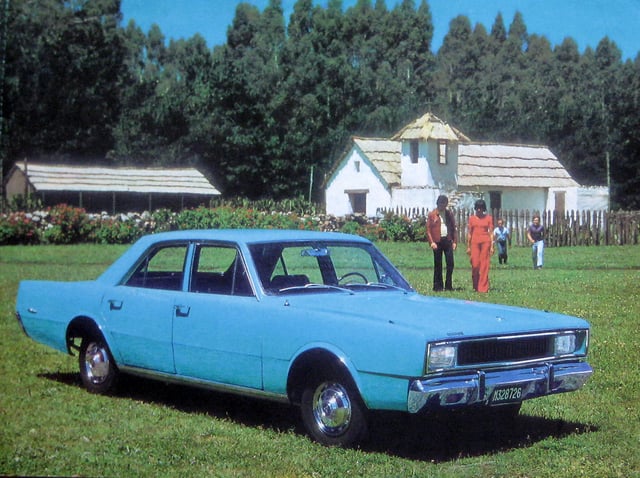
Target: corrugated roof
[(385, 156), (99, 179), (499, 165), (429, 126)]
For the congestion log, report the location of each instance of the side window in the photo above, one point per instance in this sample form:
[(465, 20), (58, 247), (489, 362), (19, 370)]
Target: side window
[(414, 152), (162, 268), (442, 151), (219, 270)]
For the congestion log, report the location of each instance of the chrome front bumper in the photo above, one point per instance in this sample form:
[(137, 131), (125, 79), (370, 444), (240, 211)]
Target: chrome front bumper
[(478, 387)]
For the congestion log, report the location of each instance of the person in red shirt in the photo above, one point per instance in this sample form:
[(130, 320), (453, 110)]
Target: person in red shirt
[(442, 237), (480, 245)]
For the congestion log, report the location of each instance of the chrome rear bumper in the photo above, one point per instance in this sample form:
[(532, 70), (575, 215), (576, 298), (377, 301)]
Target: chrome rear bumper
[(478, 387)]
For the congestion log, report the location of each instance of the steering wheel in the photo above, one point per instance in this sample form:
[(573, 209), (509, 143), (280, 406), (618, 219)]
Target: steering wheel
[(357, 274)]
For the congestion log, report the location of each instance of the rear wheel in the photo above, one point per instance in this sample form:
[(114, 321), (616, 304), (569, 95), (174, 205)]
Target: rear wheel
[(97, 369), (333, 412)]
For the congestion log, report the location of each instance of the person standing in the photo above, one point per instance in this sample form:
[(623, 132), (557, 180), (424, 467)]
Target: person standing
[(501, 236), (535, 234), (442, 237), (480, 245)]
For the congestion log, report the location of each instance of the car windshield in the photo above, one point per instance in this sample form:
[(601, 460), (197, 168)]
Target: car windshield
[(324, 267)]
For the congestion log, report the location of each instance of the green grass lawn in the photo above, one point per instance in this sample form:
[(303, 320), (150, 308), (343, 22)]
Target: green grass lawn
[(51, 426)]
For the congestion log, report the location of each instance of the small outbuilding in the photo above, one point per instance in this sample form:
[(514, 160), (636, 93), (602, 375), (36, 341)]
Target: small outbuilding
[(113, 190)]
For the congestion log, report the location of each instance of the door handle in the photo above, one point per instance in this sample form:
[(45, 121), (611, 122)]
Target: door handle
[(182, 310), (115, 304)]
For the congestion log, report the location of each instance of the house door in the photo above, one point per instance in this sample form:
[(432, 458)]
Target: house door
[(560, 201), (495, 200)]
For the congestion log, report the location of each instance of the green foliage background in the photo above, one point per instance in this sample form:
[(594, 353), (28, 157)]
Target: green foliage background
[(278, 101)]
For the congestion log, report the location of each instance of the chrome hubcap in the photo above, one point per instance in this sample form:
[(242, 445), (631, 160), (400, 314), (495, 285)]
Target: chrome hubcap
[(332, 408), (96, 363)]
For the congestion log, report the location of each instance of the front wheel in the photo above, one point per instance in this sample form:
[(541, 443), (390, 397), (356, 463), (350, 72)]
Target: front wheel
[(332, 412), (97, 369)]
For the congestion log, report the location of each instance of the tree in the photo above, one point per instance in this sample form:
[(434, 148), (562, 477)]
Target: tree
[(64, 64), (247, 72), (625, 188), (271, 105)]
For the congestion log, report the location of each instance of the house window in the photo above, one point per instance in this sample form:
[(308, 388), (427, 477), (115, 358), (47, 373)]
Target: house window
[(415, 150), (358, 201), (442, 151), (357, 165), (495, 200)]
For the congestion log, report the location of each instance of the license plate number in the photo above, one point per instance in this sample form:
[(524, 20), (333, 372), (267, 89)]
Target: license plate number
[(506, 395)]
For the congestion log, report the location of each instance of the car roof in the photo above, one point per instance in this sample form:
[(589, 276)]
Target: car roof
[(243, 237), (248, 236)]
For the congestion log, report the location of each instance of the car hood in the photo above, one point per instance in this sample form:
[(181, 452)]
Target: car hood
[(435, 317)]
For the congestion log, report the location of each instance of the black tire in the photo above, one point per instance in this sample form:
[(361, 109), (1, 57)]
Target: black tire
[(333, 412), (98, 370)]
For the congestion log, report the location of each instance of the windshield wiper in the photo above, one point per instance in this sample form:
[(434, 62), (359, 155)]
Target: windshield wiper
[(382, 285), (316, 287)]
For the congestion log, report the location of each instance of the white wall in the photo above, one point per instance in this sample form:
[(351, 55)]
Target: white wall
[(531, 199), (355, 174), (428, 172), (594, 198), (415, 174), (415, 198)]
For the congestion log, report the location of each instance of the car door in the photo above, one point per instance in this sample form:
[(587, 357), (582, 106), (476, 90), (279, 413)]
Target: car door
[(216, 335), (139, 313)]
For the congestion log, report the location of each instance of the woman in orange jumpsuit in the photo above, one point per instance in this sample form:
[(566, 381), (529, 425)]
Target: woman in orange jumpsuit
[(480, 246)]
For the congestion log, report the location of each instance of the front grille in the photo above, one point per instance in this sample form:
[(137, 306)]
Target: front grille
[(508, 350)]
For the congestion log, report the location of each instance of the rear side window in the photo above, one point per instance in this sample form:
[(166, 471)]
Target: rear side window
[(219, 270), (162, 268)]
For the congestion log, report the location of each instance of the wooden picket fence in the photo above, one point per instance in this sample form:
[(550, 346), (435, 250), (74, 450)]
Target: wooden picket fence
[(568, 228)]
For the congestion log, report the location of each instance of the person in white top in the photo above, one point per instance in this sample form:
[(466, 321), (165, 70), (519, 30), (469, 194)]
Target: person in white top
[(500, 237)]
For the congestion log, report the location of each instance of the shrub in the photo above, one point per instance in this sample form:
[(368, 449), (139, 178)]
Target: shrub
[(351, 227), (219, 218), (114, 231), (226, 217), (18, 228), (163, 220), (396, 228), (67, 225), (419, 227), (19, 202)]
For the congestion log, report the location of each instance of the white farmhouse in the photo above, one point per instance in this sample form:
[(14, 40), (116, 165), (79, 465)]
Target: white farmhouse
[(429, 157)]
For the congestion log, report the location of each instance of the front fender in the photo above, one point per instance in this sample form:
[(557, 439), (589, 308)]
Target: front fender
[(316, 356)]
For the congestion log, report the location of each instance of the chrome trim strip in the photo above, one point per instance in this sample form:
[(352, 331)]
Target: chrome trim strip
[(205, 384), (554, 332), (477, 388)]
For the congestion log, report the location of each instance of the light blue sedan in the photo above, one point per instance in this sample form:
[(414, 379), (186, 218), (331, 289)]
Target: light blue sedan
[(320, 320)]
